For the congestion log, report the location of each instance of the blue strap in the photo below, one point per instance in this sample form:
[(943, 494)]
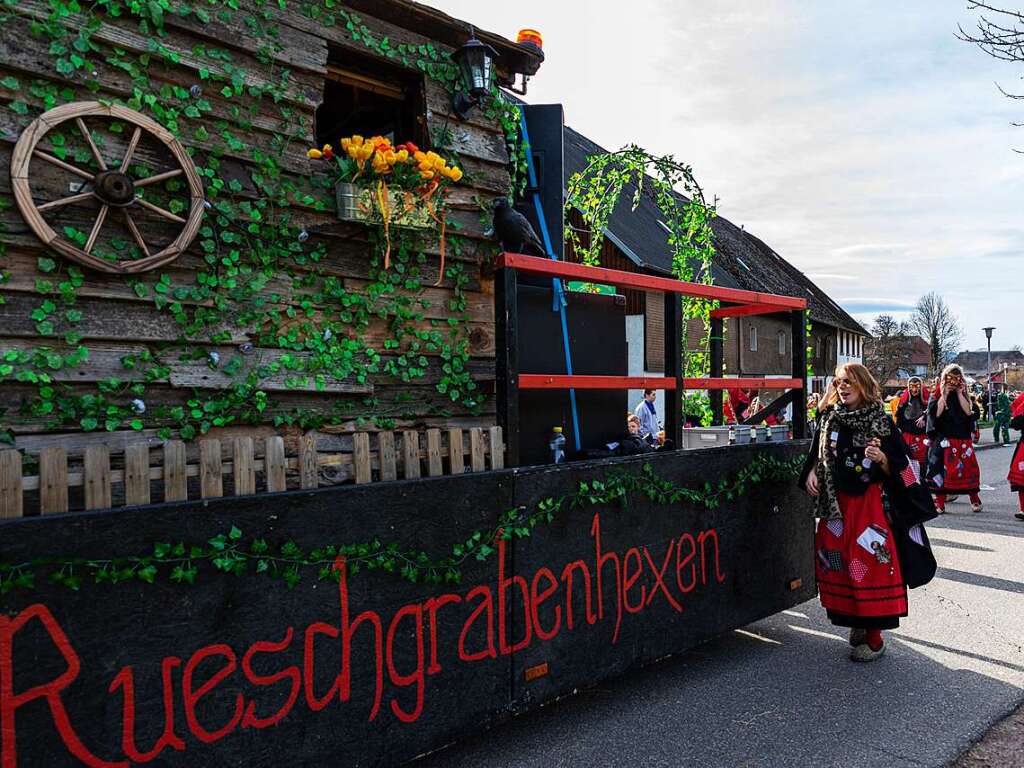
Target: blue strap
[(558, 295)]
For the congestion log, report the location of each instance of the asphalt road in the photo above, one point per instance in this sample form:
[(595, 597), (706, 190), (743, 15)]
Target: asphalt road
[(782, 692)]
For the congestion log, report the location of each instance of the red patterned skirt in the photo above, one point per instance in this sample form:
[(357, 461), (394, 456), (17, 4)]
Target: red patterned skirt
[(858, 570), (962, 475), (917, 450), (1016, 474)]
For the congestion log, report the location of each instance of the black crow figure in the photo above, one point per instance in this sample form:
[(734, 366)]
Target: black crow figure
[(513, 230)]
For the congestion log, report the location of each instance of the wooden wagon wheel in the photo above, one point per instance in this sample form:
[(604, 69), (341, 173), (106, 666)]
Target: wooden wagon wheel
[(111, 187)]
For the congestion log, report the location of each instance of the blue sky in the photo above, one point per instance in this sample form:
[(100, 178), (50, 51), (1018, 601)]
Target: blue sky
[(862, 141)]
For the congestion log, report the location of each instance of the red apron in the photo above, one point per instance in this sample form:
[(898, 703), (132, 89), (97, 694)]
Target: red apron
[(856, 563), (1016, 474), (963, 475), (916, 448)]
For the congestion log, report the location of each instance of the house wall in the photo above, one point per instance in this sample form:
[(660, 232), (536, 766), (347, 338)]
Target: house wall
[(226, 132)]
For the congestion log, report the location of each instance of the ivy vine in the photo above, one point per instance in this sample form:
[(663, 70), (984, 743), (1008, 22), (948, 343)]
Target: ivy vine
[(232, 553), (597, 190)]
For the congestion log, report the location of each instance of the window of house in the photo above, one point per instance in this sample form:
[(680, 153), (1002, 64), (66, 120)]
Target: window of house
[(369, 97), (782, 342), (753, 338), (817, 347), (828, 349)]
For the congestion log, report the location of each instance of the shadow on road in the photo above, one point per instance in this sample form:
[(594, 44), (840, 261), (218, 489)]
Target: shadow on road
[(978, 580)]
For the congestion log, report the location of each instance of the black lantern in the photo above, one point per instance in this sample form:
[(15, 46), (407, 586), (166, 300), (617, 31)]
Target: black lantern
[(476, 63)]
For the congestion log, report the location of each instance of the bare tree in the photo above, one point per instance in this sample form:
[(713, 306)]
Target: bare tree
[(1000, 34), (888, 349), (934, 320)]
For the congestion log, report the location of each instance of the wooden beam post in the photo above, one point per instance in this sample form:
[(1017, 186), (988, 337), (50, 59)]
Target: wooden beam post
[(716, 342), (507, 360), (674, 368), (799, 324)]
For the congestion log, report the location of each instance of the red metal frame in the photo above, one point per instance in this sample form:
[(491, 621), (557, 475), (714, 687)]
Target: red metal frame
[(568, 270), (561, 381)]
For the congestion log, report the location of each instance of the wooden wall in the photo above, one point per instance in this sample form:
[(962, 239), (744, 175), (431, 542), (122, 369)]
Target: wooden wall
[(120, 319)]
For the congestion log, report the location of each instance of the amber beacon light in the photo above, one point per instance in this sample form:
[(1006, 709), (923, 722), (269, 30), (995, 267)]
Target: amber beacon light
[(530, 37)]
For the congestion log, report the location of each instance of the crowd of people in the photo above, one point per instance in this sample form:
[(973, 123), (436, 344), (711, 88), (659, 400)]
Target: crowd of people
[(877, 472)]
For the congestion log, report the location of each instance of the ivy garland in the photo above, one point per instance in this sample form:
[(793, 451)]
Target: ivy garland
[(249, 241), (231, 553), (596, 191)]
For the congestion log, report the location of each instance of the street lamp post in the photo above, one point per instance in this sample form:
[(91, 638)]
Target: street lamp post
[(988, 337)]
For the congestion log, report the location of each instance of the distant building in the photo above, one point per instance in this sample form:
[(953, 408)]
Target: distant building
[(975, 364), (917, 356)]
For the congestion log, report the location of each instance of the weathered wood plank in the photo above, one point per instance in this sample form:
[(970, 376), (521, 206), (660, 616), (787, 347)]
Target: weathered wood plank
[(476, 450), (386, 455), (97, 477), (411, 454), (497, 447), (309, 471), (274, 463), (244, 467), (211, 469), (456, 460), (53, 480), (11, 504), (175, 471), (136, 474), (434, 465), (361, 454)]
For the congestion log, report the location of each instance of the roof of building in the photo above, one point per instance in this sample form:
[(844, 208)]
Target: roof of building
[(438, 25), (973, 362), (920, 351), (742, 260)]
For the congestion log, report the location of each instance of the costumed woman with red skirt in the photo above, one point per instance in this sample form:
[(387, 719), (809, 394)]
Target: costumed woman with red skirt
[(912, 418), (952, 425), (1016, 475), (856, 448)]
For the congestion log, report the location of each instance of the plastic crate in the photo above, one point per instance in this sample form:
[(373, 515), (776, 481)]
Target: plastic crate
[(705, 437)]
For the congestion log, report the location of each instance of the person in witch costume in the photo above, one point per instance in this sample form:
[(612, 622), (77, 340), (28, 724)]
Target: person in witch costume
[(1016, 474), (912, 418), (952, 429), (856, 449)]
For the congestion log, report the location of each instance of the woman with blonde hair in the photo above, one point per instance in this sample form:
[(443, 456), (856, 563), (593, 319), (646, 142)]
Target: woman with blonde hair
[(855, 449), (952, 428)]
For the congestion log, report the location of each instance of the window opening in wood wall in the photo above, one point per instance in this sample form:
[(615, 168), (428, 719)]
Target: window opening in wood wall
[(368, 97), (753, 338)]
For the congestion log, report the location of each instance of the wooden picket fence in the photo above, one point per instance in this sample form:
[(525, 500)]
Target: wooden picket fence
[(147, 474)]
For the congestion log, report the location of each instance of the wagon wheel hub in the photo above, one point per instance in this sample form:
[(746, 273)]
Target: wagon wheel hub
[(114, 188)]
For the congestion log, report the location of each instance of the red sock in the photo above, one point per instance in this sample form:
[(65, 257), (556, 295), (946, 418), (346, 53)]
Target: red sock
[(975, 499), (1020, 498), (874, 639)]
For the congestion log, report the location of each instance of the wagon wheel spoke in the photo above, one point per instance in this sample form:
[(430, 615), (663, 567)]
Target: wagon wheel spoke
[(159, 177), (159, 211), (61, 164), (135, 231), (131, 149), (92, 144), (96, 228), (65, 201)]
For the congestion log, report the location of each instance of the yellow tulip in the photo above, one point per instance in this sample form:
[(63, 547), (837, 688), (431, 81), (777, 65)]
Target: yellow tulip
[(314, 154), (402, 156), (357, 140), (455, 174), (426, 174), (420, 157), (345, 144)]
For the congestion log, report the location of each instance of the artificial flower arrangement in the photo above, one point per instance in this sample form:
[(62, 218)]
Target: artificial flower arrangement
[(399, 185)]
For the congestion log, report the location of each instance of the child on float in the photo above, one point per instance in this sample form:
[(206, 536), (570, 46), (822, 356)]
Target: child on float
[(953, 426), (1016, 474), (855, 448)]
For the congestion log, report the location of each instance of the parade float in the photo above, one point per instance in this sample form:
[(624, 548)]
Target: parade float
[(265, 377)]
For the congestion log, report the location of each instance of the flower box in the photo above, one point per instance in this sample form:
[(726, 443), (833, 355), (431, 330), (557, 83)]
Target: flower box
[(360, 204)]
